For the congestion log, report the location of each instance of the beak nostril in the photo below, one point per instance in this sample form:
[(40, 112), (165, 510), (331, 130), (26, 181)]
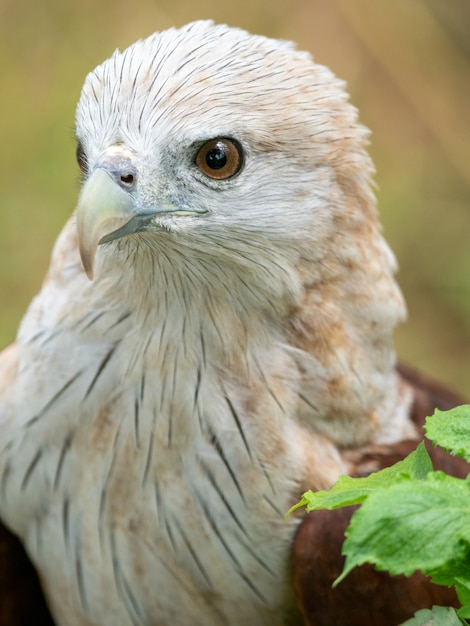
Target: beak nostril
[(128, 179)]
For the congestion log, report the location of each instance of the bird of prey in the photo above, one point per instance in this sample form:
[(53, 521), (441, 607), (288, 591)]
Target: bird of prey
[(213, 337)]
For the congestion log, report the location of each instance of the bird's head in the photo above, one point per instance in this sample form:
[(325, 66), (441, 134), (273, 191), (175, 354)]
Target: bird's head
[(235, 146)]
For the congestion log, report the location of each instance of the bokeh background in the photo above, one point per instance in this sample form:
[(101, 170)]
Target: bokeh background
[(407, 64)]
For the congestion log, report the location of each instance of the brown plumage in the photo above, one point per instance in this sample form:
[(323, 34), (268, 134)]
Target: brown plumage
[(21, 600), (213, 337)]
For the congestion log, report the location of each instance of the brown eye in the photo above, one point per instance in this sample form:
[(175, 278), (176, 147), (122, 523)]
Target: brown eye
[(81, 158), (220, 158)]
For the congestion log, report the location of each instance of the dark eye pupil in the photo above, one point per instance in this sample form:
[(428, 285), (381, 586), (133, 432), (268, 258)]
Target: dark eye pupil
[(216, 158)]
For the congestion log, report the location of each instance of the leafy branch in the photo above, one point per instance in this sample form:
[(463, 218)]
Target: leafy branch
[(412, 517)]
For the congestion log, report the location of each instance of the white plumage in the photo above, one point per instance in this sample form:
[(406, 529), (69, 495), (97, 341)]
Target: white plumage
[(157, 422)]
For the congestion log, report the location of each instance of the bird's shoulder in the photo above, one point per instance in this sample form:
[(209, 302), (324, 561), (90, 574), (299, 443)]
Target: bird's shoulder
[(366, 595)]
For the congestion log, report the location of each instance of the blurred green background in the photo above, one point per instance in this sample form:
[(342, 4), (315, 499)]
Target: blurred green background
[(407, 64)]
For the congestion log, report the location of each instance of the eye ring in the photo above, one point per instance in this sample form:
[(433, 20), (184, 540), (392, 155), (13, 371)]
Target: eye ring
[(220, 158)]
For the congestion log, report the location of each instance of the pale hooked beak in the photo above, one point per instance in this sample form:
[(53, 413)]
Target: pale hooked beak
[(103, 208), (107, 210)]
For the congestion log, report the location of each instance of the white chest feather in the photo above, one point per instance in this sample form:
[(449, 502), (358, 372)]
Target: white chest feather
[(149, 488)]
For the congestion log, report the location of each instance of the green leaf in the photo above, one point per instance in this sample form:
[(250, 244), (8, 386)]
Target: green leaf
[(462, 587), (412, 525), (437, 616), (454, 571), (347, 491), (451, 430), (464, 611)]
